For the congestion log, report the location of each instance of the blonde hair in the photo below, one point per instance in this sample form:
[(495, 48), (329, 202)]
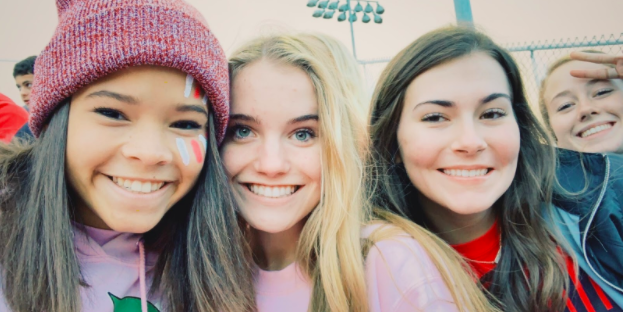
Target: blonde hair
[(330, 250)]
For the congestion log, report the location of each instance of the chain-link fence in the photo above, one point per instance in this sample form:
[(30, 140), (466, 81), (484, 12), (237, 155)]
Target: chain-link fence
[(533, 58)]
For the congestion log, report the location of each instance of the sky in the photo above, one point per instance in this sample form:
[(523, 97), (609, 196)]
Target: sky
[(26, 26)]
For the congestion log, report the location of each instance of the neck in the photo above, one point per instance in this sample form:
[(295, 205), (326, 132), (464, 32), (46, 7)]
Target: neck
[(456, 228), (275, 251)]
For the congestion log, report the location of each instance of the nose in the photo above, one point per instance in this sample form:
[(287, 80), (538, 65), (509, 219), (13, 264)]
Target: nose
[(586, 109), (272, 159), (149, 146), (24, 92), (468, 140)]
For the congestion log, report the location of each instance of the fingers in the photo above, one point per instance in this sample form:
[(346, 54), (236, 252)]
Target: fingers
[(605, 73), (595, 57)]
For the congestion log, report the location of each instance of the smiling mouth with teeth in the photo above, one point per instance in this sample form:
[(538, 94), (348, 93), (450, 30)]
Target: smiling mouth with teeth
[(594, 130), (466, 173), (138, 186), (273, 191)]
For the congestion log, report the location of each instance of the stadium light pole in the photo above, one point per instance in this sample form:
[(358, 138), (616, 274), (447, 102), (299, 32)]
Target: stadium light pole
[(463, 13), (327, 8)]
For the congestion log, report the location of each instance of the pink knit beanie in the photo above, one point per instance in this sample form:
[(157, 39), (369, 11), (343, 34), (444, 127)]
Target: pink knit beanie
[(95, 38)]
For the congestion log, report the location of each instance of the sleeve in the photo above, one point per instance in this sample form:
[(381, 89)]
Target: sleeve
[(401, 277)]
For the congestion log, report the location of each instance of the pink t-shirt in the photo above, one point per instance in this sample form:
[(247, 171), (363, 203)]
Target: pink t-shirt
[(400, 276)]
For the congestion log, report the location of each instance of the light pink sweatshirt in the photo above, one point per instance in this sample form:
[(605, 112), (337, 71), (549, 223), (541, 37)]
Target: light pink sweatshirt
[(112, 264), (400, 276)]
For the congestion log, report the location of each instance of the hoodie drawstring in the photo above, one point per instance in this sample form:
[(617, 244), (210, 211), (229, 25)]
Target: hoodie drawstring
[(142, 277)]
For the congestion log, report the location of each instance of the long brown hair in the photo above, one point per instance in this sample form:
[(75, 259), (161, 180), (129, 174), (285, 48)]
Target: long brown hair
[(530, 275), (202, 264)]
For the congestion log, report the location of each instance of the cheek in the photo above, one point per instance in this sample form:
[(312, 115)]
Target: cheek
[(234, 158), (562, 124), (419, 147), (614, 104), (505, 142)]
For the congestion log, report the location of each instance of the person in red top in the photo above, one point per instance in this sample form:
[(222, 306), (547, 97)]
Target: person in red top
[(12, 118), (457, 148)]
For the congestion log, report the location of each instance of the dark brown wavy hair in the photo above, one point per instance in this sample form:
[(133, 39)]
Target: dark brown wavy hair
[(530, 275), (202, 263)]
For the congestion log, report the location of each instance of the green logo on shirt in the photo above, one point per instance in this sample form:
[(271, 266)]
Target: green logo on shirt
[(130, 304)]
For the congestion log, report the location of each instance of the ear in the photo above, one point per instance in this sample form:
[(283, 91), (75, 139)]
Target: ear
[(397, 158)]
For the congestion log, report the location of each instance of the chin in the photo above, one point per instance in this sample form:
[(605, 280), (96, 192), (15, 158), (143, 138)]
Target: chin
[(131, 227), (461, 208)]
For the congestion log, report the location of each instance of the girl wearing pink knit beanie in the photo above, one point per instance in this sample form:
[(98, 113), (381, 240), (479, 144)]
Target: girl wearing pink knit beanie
[(122, 204)]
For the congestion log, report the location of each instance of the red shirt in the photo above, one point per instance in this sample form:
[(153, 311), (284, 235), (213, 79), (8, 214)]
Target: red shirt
[(12, 118), (585, 295), (482, 251)]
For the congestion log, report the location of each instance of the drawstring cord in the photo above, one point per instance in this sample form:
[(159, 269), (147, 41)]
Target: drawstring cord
[(142, 276)]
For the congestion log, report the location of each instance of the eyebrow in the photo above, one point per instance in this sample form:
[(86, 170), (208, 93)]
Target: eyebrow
[(304, 118), (595, 81), (248, 118), (112, 95), (243, 117), (191, 108), (484, 100), (588, 84)]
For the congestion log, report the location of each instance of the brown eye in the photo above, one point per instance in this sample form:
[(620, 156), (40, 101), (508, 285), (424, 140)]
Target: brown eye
[(434, 117)]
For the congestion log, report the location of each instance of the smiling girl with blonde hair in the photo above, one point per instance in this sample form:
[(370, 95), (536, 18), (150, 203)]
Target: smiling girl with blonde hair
[(294, 155)]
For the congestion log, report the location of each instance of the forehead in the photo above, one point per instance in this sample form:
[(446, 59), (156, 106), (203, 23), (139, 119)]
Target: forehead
[(268, 89), (471, 76), (560, 78), (22, 78)]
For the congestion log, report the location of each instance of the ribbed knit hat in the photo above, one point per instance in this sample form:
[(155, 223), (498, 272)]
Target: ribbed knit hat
[(95, 38)]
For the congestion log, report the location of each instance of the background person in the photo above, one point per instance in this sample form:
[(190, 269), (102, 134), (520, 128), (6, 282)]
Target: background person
[(581, 102), (12, 119), (23, 73)]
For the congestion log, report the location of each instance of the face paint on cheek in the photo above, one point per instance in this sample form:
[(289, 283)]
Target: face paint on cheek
[(197, 151), (205, 99), (183, 151), (203, 141), (189, 86)]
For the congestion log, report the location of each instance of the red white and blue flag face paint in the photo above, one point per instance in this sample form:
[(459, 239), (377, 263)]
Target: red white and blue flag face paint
[(202, 139), (189, 86), (196, 149), (186, 160)]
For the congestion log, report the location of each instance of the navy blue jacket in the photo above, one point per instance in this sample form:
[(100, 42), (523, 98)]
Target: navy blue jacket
[(589, 202)]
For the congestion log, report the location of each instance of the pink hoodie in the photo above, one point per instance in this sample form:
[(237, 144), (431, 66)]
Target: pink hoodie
[(400, 276), (114, 266)]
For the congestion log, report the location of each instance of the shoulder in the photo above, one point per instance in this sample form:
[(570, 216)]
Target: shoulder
[(400, 274)]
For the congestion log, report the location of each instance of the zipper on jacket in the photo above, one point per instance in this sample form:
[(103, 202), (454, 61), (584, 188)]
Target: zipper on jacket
[(591, 219)]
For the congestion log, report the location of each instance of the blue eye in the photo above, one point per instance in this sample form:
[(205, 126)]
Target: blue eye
[(186, 125), (564, 107), (304, 135), (494, 113), (110, 113), (239, 132), (434, 117)]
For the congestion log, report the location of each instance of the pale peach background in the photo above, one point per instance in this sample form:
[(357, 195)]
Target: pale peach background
[(27, 25)]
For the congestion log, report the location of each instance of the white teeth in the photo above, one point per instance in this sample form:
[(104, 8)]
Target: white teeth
[(597, 129), (138, 186), (466, 173), (272, 191)]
